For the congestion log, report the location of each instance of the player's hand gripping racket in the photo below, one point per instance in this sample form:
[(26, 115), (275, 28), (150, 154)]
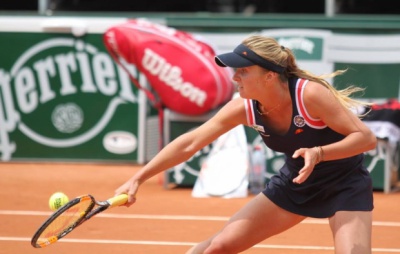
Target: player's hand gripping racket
[(70, 216)]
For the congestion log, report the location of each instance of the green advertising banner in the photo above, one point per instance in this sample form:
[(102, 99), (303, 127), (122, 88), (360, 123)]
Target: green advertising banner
[(63, 98)]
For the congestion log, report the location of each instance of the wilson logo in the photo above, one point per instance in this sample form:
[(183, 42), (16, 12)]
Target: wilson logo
[(171, 75)]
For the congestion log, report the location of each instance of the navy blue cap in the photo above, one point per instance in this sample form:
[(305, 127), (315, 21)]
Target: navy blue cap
[(242, 56)]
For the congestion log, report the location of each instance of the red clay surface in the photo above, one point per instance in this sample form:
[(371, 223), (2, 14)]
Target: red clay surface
[(161, 222)]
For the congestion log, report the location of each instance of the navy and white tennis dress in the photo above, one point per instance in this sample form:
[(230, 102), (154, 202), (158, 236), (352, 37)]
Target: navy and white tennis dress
[(338, 185)]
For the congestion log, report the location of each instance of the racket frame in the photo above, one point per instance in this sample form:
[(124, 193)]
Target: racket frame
[(67, 230), (86, 215)]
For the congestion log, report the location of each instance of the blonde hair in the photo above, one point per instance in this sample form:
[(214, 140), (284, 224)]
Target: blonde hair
[(270, 49)]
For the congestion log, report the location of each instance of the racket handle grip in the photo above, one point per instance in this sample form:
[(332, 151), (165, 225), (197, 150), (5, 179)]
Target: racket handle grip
[(118, 200)]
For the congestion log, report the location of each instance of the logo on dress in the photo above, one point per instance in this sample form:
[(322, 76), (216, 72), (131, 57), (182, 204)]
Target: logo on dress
[(298, 131), (299, 121)]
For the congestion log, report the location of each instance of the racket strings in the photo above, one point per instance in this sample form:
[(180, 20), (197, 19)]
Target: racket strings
[(66, 220)]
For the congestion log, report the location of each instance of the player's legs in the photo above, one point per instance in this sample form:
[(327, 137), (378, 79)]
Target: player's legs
[(352, 232), (256, 221)]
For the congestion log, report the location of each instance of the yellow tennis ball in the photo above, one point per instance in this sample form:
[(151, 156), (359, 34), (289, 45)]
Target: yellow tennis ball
[(57, 200)]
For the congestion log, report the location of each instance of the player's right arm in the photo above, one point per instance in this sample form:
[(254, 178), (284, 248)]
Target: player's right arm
[(186, 145)]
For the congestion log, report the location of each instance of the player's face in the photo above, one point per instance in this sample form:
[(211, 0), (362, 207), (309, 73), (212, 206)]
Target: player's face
[(249, 81)]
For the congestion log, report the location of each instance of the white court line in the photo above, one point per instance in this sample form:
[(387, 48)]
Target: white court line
[(178, 217), (181, 217), (164, 243)]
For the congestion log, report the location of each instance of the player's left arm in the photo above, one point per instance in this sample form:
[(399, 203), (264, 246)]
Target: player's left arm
[(322, 104)]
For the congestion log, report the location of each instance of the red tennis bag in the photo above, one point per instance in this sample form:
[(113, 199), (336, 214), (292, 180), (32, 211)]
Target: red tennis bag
[(180, 68)]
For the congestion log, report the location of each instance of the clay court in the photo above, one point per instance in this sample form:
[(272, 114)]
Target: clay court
[(161, 222)]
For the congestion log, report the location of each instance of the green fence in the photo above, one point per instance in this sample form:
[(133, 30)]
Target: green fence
[(62, 98)]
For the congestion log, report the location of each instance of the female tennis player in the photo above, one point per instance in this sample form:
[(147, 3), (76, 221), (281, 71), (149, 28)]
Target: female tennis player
[(313, 124)]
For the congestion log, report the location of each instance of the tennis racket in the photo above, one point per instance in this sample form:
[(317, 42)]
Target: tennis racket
[(70, 216)]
